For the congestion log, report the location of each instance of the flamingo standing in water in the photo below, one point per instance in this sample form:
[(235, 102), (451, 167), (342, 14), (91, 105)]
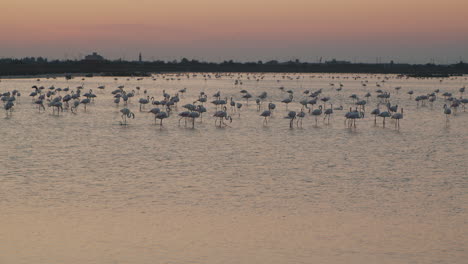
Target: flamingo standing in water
[(300, 116), (447, 112), (85, 102), (287, 101), (375, 113), (143, 101), (384, 115), (194, 115), (353, 115), (184, 115), (238, 106), (328, 112), (222, 115), (397, 117), (9, 107), (291, 116), (162, 115), (316, 113), (155, 112), (40, 104), (126, 113), (75, 105), (265, 114)]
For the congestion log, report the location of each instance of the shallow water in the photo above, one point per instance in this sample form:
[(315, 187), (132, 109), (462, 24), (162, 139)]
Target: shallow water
[(84, 189)]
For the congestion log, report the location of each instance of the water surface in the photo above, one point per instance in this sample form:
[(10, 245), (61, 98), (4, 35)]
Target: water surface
[(84, 189)]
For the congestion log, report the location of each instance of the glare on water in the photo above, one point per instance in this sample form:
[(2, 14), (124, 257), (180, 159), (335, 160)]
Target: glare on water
[(81, 188)]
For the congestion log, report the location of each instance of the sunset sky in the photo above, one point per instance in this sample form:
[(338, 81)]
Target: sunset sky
[(412, 31)]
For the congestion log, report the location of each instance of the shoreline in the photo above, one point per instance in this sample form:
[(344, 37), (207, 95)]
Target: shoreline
[(149, 74), (141, 69)]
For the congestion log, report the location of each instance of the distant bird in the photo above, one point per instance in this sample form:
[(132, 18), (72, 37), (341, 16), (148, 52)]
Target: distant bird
[(192, 116), (263, 96), (75, 105), (375, 113), (300, 116), (182, 91), (328, 112), (259, 103), (85, 102), (397, 117), (317, 113), (162, 115), (155, 112), (56, 104), (291, 116), (353, 116), (8, 107), (287, 101), (238, 106), (143, 101), (200, 109), (266, 114), (247, 96), (40, 104), (464, 101), (126, 113), (384, 115), (220, 116), (33, 95), (447, 112), (184, 115)]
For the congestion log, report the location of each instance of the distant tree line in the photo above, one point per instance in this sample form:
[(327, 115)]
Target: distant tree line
[(39, 65)]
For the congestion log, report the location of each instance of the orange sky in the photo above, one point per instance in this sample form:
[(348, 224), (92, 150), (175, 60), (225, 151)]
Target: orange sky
[(407, 30)]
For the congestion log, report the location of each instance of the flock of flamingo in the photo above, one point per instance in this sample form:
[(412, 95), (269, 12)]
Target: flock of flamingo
[(225, 109)]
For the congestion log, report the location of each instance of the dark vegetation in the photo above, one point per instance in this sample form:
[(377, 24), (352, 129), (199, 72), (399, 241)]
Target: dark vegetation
[(41, 66)]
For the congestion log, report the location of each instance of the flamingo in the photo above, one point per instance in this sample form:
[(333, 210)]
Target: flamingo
[(58, 104), (201, 109), (375, 113), (397, 117), (271, 107), (76, 103), (384, 115), (222, 115), (194, 115), (126, 113), (238, 106), (155, 111), (40, 104), (291, 115), (447, 112), (143, 101), (353, 115), (162, 115), (184, 115), (328, 112), (317, 112), (9, 107), (300, 116), (247, 96), (464, 101), (85, 102), (266, 114), (287, 101), (259, 104)]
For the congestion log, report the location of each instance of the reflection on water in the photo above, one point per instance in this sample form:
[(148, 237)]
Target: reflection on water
[(84, 189)]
